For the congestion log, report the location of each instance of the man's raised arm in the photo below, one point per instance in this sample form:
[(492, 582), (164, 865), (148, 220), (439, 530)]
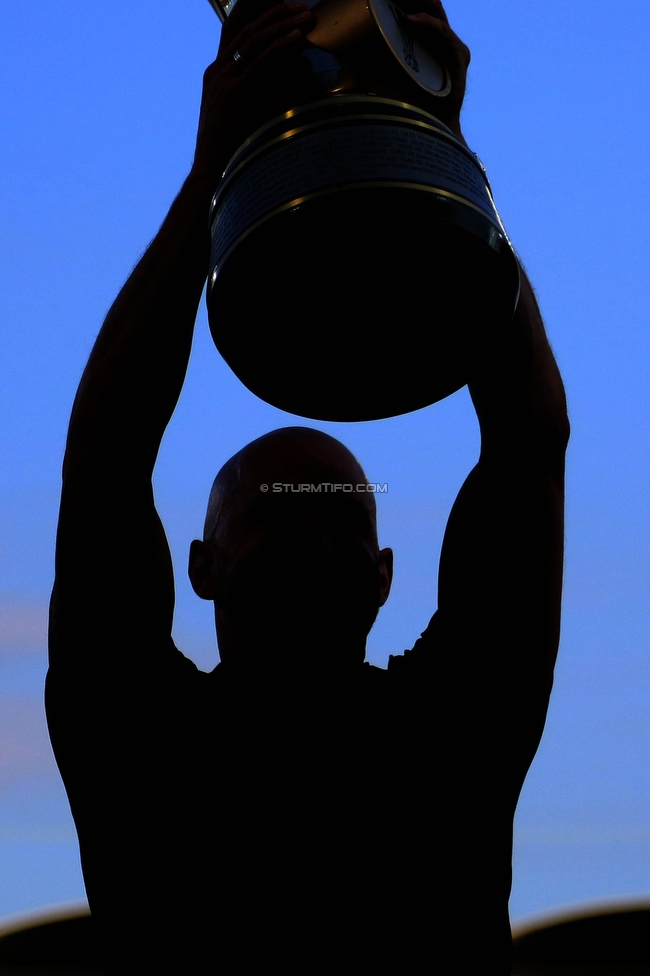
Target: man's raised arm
[(502, 558), (113, 568), (500, 579)]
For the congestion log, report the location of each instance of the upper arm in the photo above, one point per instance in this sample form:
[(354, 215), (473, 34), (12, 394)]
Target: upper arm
[(502, 558), (114, 590), (500, 583)]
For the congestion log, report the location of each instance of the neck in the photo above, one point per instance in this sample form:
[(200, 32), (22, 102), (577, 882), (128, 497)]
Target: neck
[(310, 651)]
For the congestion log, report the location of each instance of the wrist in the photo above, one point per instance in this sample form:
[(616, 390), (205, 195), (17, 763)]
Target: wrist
[(456, 129), (517, 390), (200, 186)]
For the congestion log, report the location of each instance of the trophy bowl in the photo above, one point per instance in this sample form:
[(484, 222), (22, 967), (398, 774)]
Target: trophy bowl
[(359, 266)]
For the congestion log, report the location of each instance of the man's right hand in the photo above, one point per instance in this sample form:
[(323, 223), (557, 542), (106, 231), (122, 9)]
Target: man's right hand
[(257, 74)]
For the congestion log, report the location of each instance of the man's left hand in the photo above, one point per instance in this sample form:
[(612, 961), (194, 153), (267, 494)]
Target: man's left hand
[(257, 74), (431, 26)]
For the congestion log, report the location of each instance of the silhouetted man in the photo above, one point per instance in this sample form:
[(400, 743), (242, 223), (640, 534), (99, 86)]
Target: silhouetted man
[(296, 809)]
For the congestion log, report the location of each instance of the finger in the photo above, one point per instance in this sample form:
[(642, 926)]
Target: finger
[(433, 7), (234, 62), (236, 33), (280, 48), (263, 39), (437, 33), (427, 19), (432, 31), (438, 10)]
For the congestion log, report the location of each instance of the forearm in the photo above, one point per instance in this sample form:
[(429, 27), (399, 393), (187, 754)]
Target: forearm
[(136, 369), (502, 558), (518, 393)]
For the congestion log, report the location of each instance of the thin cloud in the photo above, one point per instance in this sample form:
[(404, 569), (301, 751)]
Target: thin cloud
[(23, 625), (25, 748)]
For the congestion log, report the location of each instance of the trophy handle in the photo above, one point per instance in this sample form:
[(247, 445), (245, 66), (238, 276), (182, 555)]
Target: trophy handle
[(222, 9)]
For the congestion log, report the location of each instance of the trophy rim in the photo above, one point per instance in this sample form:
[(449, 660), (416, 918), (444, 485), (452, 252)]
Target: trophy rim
[(306, 198), (347, 100)]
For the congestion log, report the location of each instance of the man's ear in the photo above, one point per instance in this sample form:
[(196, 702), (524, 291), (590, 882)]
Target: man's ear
[(385, 566), (202, 569)]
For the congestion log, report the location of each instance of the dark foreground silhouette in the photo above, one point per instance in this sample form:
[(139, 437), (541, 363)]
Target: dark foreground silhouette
[(296, 808), (610, 941)]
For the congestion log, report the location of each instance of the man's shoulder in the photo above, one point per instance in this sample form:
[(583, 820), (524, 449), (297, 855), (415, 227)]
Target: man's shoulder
[(89, 682), (423, 656), (411, 672)]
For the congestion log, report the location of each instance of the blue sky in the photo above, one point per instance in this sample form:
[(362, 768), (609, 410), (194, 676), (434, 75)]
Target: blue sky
[(99, 108)]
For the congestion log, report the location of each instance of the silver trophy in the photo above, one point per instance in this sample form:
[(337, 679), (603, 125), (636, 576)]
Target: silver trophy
[(401, 270)]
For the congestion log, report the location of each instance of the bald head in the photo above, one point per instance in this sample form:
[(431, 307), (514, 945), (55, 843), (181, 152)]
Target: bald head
[(291, 456), (295, 575)]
